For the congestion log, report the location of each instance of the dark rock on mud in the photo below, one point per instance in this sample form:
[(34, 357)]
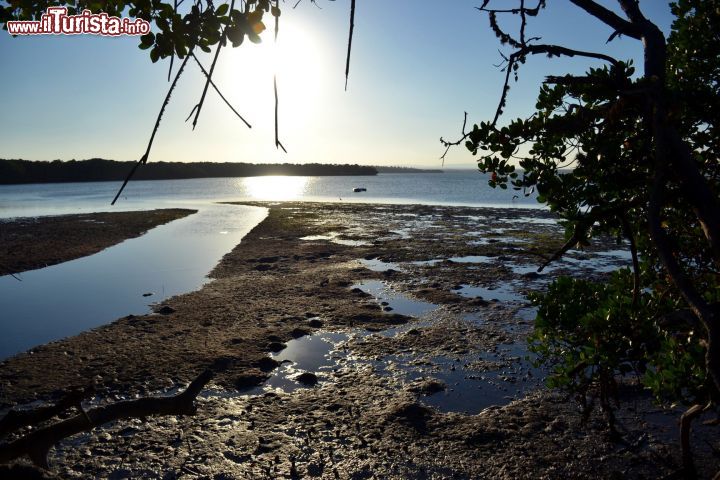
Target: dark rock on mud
[(249, 379), (299, 332), (165, 310), (276, 346), (315, 323), (267, 364), (307, 378), (427, 386)]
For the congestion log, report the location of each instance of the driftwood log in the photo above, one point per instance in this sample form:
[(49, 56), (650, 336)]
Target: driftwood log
[(37, 444), (16, 419)]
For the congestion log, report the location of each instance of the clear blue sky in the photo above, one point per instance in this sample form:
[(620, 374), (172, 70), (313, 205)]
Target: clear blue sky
[(416, 66)]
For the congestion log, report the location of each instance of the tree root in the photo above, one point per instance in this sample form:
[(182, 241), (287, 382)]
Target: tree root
[(37, 444)]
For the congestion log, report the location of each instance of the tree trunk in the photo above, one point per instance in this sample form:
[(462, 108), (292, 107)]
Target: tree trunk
[(672, 154)]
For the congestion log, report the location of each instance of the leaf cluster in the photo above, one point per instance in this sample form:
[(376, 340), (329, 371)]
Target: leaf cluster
[(590, 334), (177, 29), (589, 153)]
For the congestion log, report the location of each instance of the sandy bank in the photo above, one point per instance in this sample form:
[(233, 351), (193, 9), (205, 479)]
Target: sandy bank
[(37, 242)]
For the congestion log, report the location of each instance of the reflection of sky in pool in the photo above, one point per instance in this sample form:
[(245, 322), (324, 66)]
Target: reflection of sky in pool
[(66, 299)]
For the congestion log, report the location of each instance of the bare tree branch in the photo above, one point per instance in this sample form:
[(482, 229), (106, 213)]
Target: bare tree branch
[(144, 158), (218, 92), (610, 18), (350, 39), (532, 12), (278, 144), (221, 43), (452, 144), (16, 419), (627, 230), (37, 443), (172, 57), (275, 90)]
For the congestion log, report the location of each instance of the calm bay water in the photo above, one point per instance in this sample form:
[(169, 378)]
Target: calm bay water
[(68, 298), (61, 300), (451, 188)]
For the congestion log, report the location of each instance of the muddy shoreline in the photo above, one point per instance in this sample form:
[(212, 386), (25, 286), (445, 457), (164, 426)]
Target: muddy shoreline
[(423, 309), (28, 243)]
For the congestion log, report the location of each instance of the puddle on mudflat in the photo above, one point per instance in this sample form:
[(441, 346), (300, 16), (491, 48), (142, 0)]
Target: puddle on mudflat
[(473, 218), (601, 262), (527, 314), (430, 263), (533, 220), (322, 353), (525, 269), (472, 259), (619, 254), (377, 265), (403, 233), (472, 383), (334, 238), (503, 293), (399, 303), (319, 354), (530, 269)]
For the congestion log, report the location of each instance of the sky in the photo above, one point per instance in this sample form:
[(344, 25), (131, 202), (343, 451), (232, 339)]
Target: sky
[(417, 65)]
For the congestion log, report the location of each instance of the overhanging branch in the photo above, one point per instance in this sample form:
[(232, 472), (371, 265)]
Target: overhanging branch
[(610, 18), (551, 51), (144, 158), (37, 443)]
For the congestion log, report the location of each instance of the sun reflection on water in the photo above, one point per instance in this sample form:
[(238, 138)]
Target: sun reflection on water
[(275, 187)]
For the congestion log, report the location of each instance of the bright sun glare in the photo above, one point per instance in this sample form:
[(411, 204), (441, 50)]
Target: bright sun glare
[(274, 187), (299, 59)]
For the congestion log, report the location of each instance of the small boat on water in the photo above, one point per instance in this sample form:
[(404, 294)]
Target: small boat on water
[(359, 189)]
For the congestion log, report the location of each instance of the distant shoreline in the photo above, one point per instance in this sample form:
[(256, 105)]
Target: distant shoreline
[(14, 172), (406, 170)]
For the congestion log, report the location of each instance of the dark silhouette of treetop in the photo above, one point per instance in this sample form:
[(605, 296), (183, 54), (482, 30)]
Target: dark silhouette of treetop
[(634, 156)]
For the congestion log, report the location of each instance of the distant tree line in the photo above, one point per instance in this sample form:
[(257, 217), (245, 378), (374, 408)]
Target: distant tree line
[(405, 170), (97, 170)]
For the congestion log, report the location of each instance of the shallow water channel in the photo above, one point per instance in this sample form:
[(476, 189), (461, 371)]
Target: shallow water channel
[(68, 298)]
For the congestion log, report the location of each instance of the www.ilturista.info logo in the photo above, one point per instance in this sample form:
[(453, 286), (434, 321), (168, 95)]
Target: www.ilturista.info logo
[(57, 22)]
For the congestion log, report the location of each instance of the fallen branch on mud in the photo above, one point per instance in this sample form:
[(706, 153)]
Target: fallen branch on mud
[(38, 443), (16, 419)]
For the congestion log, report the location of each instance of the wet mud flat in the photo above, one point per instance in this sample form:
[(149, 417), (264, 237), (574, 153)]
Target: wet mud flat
[(27, 243), (357, 341)]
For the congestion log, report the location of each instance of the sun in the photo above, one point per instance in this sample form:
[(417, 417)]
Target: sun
[(300, 63), (298, 60)]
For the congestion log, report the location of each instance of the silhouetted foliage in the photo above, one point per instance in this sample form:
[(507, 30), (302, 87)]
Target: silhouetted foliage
[(637, 158)]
